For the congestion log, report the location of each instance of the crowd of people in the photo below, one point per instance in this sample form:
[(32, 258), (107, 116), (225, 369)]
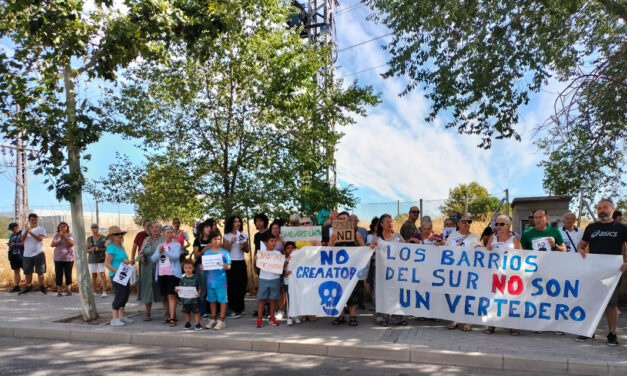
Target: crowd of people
[(165, 263)]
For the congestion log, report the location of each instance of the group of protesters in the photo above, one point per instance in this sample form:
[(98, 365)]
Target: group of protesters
[(162, 255)]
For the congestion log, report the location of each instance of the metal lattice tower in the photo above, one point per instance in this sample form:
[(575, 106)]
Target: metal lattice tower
[(15, 159)]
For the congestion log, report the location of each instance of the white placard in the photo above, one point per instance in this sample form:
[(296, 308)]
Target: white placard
[(301, 233), (271, 261), (242, 238), (507, 288), (123, 274), (540, 244), (323, 278), (187, 292), (212, 261), (446, 231), (164, 261)]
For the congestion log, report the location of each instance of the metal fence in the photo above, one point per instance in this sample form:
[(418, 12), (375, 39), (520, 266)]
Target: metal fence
[(398, 209)]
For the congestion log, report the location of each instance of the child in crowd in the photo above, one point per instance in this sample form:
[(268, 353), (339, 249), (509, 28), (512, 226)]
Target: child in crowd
[(289, 248), (190, 305), (269, 286), (216, 282)]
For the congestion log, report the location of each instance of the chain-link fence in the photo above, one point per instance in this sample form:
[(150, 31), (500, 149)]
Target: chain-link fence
[(398, 209)]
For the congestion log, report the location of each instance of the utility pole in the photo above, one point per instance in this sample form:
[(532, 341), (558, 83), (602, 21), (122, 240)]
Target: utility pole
[(18, 162)]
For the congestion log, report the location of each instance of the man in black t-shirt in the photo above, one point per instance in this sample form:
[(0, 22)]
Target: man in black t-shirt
[(608, 238), (262, 235)]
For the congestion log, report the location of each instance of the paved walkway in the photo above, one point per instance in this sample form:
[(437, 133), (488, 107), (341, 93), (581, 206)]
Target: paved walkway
[(33, 315)]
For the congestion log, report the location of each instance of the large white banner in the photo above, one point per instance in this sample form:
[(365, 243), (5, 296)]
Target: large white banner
[(323, 278), (543, 291)]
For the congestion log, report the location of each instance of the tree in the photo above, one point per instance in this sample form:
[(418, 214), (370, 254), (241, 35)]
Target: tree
[(245, 125), (481, 59), (470, 198), (56, 44)]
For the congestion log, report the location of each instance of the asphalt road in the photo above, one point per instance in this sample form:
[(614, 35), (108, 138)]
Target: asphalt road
[(46, 357)]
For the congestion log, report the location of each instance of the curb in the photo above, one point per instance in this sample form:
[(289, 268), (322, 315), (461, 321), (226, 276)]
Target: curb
[(397, 353)]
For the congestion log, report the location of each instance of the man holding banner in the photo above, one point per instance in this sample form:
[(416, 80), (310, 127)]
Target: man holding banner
[(606, 237)]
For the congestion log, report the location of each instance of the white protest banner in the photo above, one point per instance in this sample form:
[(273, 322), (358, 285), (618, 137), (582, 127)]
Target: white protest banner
[(301, 233), (543, 291), (187, 292), (212, 262), (270, 261), (123, 274), (323, 278)]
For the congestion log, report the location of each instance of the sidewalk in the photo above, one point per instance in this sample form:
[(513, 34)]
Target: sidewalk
[(33, 315)]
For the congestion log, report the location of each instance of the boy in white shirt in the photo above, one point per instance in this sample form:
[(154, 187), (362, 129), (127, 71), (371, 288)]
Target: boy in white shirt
[(269, 287)]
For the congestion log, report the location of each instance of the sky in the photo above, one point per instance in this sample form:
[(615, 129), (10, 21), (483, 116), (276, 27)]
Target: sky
[(392, 153)]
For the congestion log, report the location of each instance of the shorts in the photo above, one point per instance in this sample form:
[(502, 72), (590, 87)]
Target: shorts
[(217, 294), (97, 268), (167, 284), (190, 307), (120, 295), (36, 263), (15, 261), (614, 298), (269, 289)]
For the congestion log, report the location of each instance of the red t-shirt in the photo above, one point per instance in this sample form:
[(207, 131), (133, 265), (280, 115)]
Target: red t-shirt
[(139, 238)]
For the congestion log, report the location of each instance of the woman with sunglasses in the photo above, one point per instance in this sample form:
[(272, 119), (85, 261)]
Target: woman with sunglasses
[(463, 238), (503, 239)]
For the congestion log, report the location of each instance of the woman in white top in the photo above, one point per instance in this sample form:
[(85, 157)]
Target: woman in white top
[(463, 238), (236, 242), (504, 239), (385, 232)]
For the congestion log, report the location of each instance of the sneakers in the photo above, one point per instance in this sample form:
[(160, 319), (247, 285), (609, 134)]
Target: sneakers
[(198, 327), (117, 322), (126, 320), (26, 290), (279, 315), (210, 324), (43, 290), (188, 326), (234, 315), (612, 340), (103, 295), (15, 289), (289, 322), (273, 321), (583, 338), (205, 315), (219, 325), (296, 320), (259, 323), (559, 333)]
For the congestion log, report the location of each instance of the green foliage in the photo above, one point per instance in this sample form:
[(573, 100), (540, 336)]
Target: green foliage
[(244, 125), (472, 198), (481, 59)]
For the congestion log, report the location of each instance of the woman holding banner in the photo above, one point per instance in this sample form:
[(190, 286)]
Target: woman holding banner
[(463, 238), (426, 235), (358, 291), (385, 232), (503, 239), (147, 288)]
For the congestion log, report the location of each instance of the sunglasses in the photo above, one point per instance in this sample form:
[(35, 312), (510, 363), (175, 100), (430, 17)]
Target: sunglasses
[(500, 224), (454, 217), (414, 211), (94, 228), (306, 224), (468, 221)]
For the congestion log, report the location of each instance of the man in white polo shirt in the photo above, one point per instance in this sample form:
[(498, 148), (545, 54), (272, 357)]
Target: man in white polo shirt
[(34, 257), (570, 233)]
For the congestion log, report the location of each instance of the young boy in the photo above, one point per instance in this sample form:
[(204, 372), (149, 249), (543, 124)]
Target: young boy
[(190, 305), (216, 282), (289, 248), (269, 286)]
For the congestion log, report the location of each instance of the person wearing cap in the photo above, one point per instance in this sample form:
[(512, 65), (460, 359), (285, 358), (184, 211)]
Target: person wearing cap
[(114, 256), (16, 251), (409, 227)]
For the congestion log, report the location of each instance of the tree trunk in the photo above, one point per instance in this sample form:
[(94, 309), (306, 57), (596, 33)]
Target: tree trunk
[(88, 303)]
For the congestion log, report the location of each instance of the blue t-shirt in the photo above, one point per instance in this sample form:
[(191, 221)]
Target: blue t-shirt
[(118, 256), (15, 239), (217, 278)]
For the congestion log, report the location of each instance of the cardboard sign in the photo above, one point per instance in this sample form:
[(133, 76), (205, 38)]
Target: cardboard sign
[(344, 231), (301, 233), (123, 274), (187, 292), (212, 262), (269, 261)]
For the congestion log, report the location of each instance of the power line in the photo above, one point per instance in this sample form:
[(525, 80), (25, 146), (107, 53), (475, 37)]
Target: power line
[(365, 70), (350, 9), (364, 42)]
